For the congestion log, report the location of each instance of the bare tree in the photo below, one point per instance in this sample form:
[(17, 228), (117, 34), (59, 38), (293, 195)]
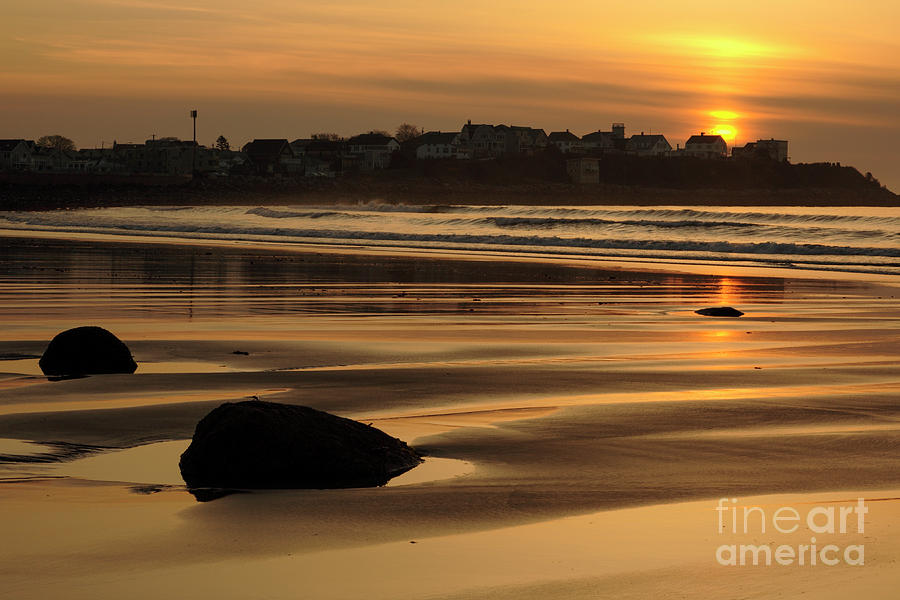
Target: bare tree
[(222, 143), (331, 137), (407, 132), (380, 132), (57, 142)]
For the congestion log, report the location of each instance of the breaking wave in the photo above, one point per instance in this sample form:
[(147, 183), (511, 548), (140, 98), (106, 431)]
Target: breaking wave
[(861, 240)]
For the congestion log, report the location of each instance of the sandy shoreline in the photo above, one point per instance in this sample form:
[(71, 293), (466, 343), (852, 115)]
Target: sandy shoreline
[(571, 386)]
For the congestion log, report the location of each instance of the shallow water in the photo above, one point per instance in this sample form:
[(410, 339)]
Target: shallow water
[(555, 388), (158, 464)]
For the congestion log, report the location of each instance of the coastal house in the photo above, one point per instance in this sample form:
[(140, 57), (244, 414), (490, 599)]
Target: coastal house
[(770, 149), (479, 140), (436, 144), (648, 145), (15, 155), (321, 157), (705, 146), (98, 160), (525, 140), (566, 141), (605, 141), (373, 149), (583, 170), (271, 156)]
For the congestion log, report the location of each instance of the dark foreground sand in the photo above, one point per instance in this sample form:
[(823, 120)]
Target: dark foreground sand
[(575, 401)]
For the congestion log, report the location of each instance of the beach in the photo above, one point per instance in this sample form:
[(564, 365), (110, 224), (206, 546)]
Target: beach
[(579, 421)]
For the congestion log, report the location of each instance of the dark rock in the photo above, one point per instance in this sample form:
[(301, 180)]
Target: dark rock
[(86, 351), (719, 311), (256, 444)]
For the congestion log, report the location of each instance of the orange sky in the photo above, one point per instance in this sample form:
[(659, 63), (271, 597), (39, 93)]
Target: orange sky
[(826, 76)]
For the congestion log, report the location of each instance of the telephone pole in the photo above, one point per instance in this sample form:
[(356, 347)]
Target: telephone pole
[(194, 148)]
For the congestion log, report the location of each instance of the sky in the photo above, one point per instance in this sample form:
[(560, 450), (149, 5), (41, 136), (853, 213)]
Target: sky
[(823, 75)]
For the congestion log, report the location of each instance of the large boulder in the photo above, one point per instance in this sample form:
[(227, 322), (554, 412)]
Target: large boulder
[(719, 311), (86, 351), (256, 444)]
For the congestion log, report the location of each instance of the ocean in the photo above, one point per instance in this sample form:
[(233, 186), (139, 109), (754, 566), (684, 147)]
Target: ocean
[(855, 239)]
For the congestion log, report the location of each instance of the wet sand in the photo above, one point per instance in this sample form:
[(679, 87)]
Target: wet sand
[(570, 389)]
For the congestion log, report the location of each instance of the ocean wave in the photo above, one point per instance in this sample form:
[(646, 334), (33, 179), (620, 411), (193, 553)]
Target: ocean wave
[(786, 249), (270, 213), (549, 222)]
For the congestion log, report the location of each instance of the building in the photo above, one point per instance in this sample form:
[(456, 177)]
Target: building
[(525, 140), (706, 146), (583, 170), (770, 149), (605, 141), (480, 140), (436, 144), (566, 141), (15, 155), (648, 145), (271, 157), (321, 157), (374, 150)]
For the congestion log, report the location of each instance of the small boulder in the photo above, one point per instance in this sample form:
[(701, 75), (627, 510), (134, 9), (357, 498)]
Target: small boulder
[(257, 444), (719, 311), (86, 351)]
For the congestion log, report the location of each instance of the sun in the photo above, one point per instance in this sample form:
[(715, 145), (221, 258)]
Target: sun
[(728, 132)]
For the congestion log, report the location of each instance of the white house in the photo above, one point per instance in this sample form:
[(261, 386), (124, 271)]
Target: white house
[(605, 140), (436, 144), (479, 140), (15, 155), (771, 149), (706, 146), (374, 149), (648, 145), (566, 141)]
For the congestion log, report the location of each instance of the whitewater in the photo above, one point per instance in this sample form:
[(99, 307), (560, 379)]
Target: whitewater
[(851, 239)]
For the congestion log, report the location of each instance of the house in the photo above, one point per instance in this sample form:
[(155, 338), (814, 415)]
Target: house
[(566, 141), (373, 149), (436, 144), (481, 141), (583, 170), (770, 149), (321, 157), (98, 160), (15, 155), (271, 156), (648, 145), (525, 140), (706, 146), (605, 141), (45, 159)]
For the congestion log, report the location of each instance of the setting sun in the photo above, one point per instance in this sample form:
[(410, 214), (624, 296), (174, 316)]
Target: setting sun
[(728, 132)]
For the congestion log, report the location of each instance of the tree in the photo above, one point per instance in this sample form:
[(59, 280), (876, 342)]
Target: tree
[(57, 142), (222, 143), (331, 137), (407, 132), (381, 132)]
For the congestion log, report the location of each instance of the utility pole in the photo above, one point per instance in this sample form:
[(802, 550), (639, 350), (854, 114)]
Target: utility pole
[(194, 148)]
